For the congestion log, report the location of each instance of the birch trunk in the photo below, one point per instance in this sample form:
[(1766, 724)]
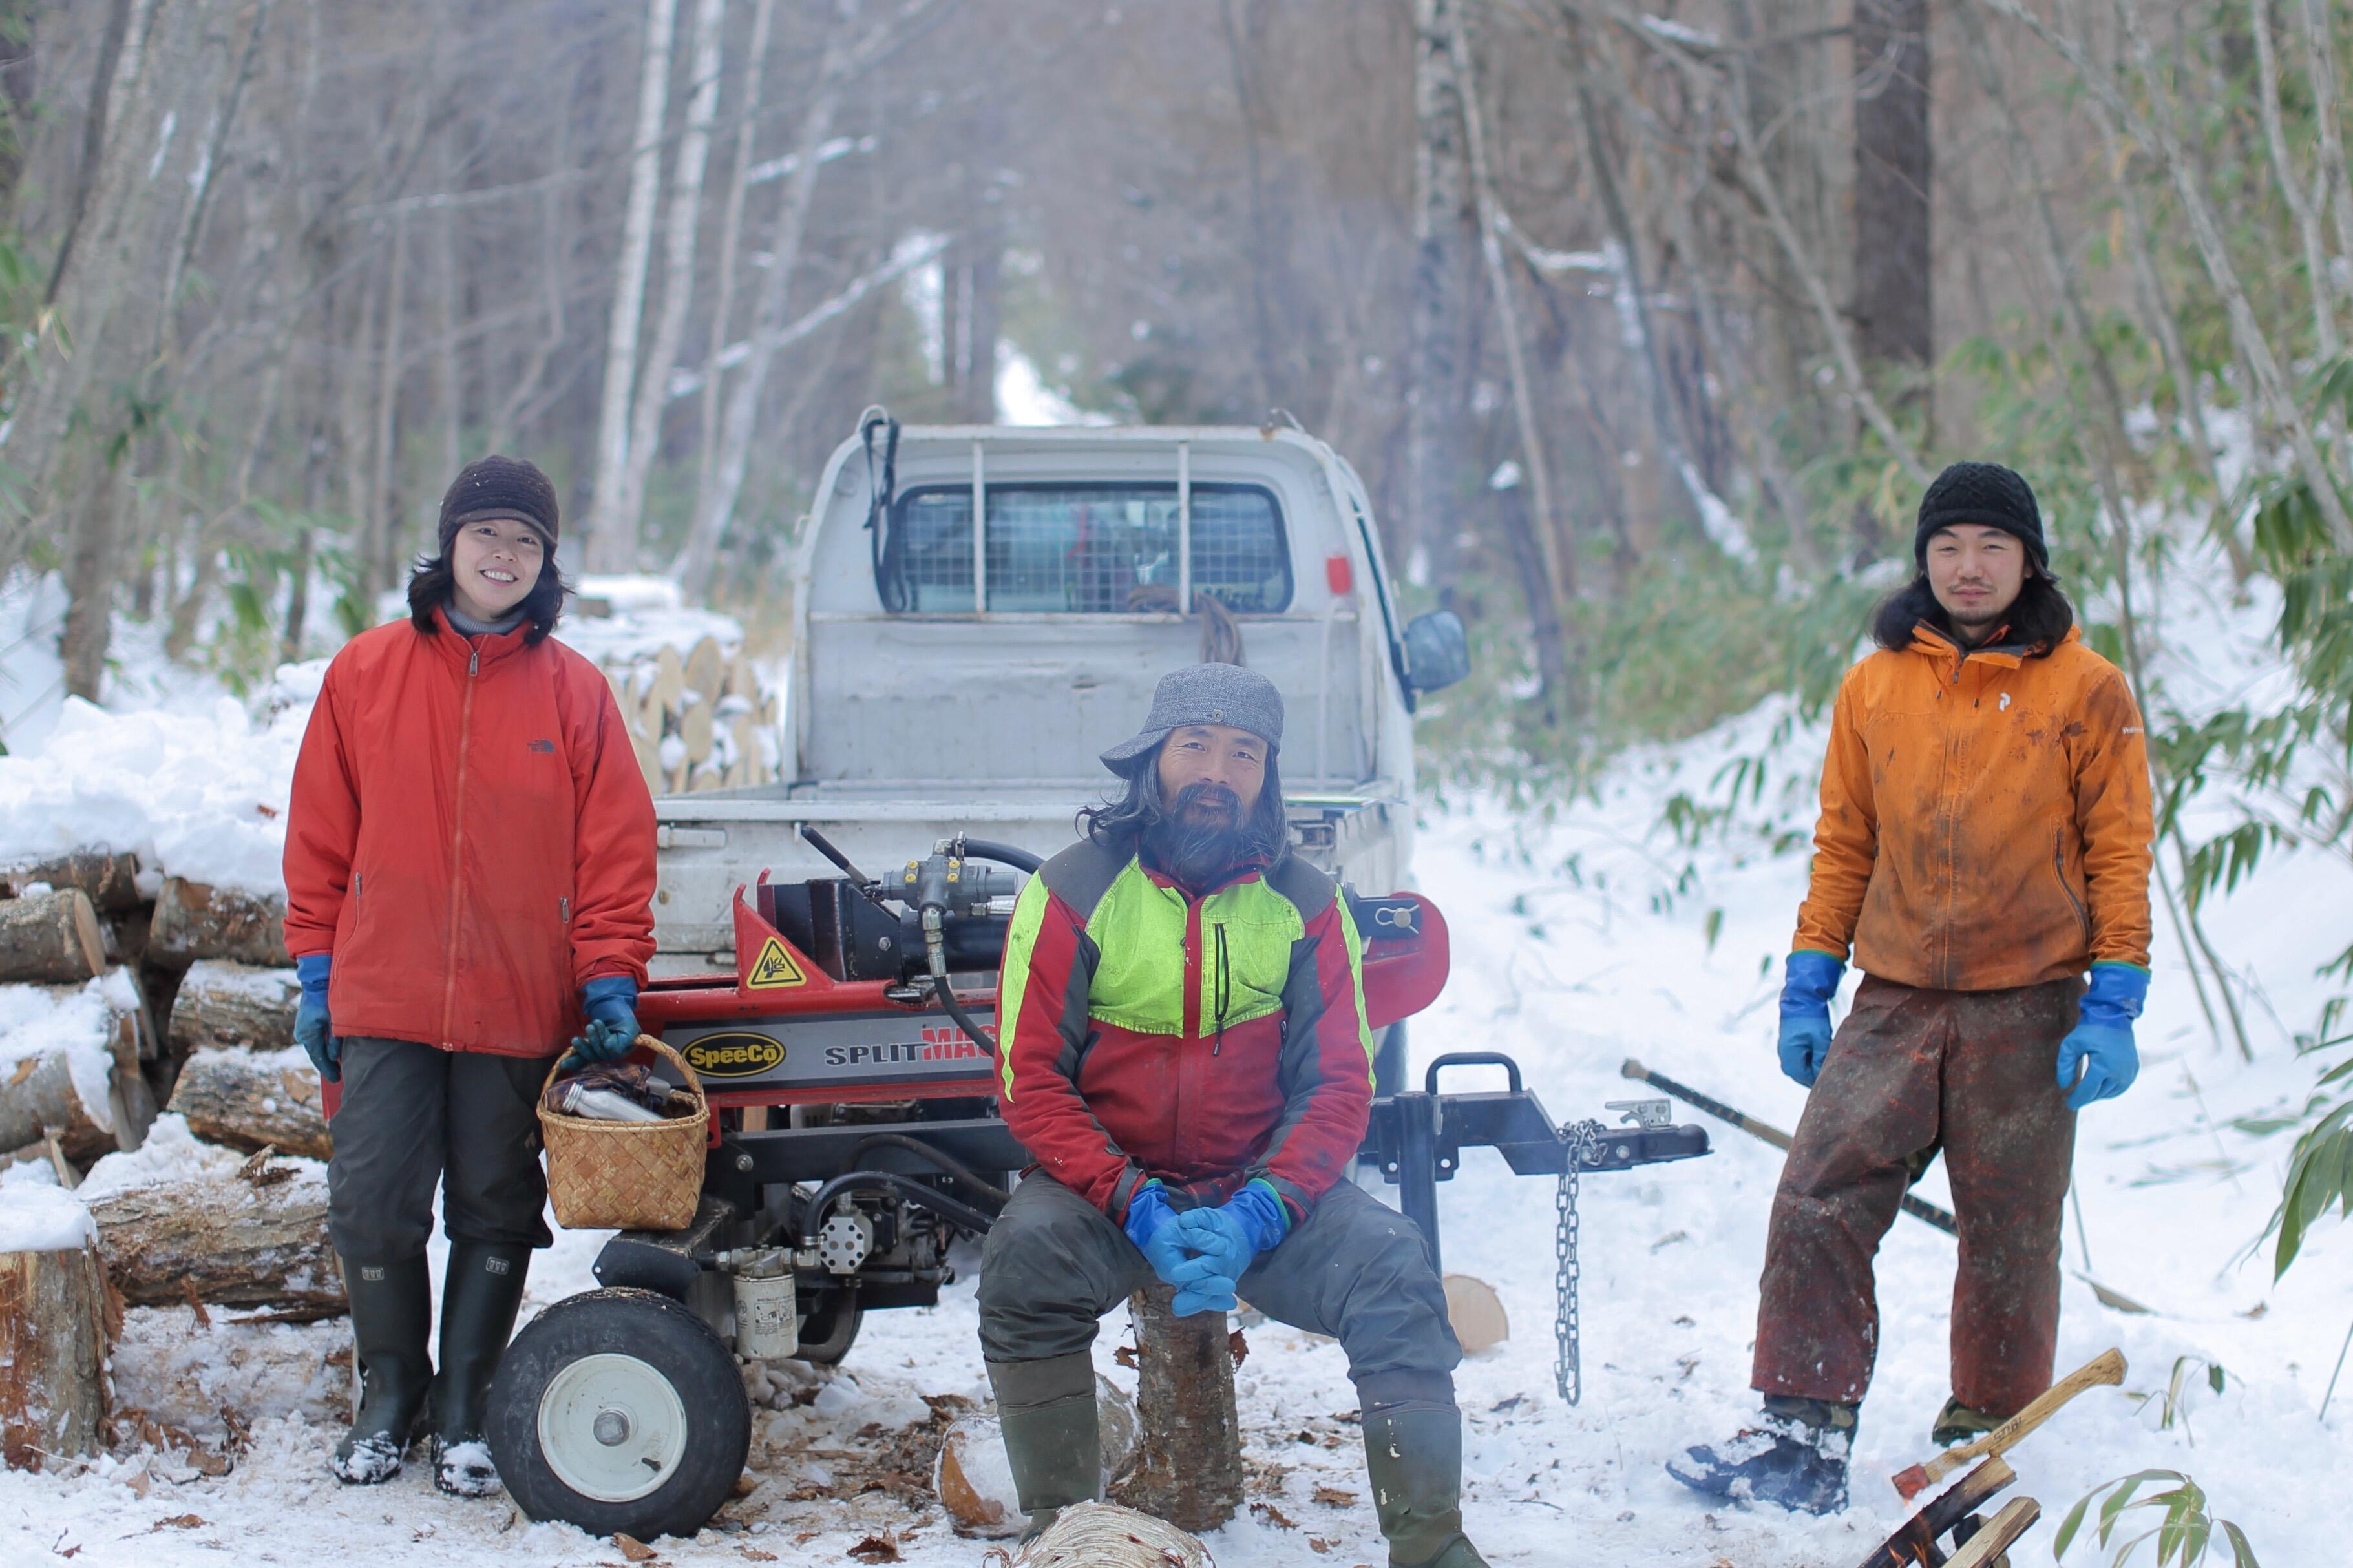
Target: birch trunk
[(1894, 160), (731, 236), (2320, 67), (678, 259), (1188, 1465), (1445, 236), (2300, 203), (768, 317), (610, 531)]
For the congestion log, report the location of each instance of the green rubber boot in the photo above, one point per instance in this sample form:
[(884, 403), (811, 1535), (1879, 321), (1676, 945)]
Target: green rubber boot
[(1957, 1423), (1052, 1442), (1413, 1454), (392, 1313)]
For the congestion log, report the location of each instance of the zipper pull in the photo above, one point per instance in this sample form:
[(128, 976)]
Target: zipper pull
[(564, 908), (474, 661)]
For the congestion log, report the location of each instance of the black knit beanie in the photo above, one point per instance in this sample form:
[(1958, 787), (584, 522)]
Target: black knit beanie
[(1984, 493), (499, 486)]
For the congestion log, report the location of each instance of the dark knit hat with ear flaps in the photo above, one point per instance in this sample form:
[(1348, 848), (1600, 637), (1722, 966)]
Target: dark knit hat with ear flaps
[(500, 487), (1984, 493)]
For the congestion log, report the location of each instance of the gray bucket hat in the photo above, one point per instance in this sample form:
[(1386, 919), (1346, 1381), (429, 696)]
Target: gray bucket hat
[(1205, 694)]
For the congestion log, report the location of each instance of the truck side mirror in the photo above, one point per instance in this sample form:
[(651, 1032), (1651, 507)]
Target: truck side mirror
[(1436, 649)]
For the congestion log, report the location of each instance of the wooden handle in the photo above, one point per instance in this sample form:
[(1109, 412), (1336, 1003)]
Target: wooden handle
[(2107, 1367), (1998, 1534)]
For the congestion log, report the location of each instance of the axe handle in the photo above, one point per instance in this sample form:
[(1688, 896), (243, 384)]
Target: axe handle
[(1919, 1209), (2107, 1367)]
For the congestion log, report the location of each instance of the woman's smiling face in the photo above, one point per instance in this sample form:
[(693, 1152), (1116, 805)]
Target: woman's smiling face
[(494, 564)]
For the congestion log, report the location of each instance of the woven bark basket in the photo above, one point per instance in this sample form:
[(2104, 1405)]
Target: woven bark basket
[(627, 1175)]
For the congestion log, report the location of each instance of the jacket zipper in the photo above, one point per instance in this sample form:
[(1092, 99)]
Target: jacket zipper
[(564, 910), (1180, 1150), (458, 846), (1225, 991), (2059, 869)]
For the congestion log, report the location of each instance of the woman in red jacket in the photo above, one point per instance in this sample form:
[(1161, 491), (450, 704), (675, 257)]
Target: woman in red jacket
[(469, 875)]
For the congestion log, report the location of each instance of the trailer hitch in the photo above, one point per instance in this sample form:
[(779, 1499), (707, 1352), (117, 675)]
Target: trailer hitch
[(1417, 1137)]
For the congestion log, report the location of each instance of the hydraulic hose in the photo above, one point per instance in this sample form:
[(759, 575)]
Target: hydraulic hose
[(913, 1191), (1003, 854), (948, 1163)]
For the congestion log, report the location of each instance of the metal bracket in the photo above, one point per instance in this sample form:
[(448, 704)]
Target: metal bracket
[(1643, 1112)]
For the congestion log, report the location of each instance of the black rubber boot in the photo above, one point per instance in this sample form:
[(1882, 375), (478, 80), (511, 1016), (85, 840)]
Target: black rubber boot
[(479, 1296), (392, 1315), (1413, 1456), (1795, 1455), (1053, 1441), (1957, 1423)]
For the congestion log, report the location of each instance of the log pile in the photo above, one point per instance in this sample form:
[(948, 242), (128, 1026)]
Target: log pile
[(222, 1002), (83, 1096), (193, 921), (699, 720), (245, 1100), (254, 1236), (58, 1318)]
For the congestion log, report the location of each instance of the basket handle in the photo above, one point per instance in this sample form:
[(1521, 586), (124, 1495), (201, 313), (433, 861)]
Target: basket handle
[(694, 1081)]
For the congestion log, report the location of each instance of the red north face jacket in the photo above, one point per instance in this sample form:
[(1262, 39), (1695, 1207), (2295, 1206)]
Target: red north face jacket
[(471, 837), (1207, 1040)]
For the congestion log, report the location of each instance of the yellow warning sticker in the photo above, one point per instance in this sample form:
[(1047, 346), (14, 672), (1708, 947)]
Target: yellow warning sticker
[(776, 970)]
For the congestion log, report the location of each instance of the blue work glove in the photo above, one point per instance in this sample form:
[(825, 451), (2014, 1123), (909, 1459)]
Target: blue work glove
[(1812, 980), (1152, 1226), (1226, 1240), (312, 1030), (2100, 1041), (611, 1004)]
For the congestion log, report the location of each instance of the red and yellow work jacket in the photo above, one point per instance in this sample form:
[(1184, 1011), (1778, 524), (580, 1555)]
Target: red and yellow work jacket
[(1207, 1040), (1986, 817)]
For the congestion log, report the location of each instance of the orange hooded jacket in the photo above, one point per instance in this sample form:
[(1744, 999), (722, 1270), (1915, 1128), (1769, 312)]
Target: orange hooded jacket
[(471, 838), (1986, 818)]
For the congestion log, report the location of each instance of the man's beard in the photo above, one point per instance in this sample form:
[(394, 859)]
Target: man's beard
[(1199, 849)]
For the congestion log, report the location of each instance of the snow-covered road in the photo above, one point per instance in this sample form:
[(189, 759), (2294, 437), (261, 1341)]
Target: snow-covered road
[(1573, 950)]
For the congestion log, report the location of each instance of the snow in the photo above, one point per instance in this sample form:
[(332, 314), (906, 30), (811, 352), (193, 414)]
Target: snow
[(37, 1218), (648, 613), (171, 1153), (38, 1020)]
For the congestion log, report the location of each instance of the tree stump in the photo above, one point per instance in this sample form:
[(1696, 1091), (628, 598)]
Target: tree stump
[(58, 1321), (194, 920), (51, 939), (1189, 1465), (223, 1003), (249, 1101), (111, 880), (256, 1240)]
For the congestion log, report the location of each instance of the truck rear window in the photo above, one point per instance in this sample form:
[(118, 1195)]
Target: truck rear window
[(1085, 548)]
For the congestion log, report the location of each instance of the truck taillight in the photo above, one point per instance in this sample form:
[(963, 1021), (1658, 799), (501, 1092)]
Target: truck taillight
[(1338, 573)]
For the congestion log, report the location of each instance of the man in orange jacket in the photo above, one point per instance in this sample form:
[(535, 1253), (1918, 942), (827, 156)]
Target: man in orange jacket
[(1984, 840)]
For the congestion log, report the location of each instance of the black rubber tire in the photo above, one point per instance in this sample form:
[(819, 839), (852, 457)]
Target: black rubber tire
[(668, 1337)]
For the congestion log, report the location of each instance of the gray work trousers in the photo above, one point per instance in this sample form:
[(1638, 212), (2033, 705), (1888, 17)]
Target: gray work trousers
[(1355, 1269), (413, 1115)]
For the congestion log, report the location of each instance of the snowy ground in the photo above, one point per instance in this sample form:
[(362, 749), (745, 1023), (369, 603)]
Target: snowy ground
[(1577, 945)]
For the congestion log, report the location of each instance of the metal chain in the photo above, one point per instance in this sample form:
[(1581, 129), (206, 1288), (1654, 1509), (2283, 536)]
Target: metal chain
[(1569, 1369)]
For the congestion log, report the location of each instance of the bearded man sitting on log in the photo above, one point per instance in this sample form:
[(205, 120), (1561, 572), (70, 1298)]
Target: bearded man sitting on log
[(1184, 1052)]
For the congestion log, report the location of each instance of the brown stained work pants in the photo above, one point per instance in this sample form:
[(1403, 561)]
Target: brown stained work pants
[(1973, 1072)]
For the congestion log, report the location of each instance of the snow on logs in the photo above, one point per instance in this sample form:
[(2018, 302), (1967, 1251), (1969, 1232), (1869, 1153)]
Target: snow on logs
[(69, 1068), (697, 722), (182, 1220), (58, 1318), (223, 1002)]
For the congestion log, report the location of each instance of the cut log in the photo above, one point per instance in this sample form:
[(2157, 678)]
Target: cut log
[(58, 1321), (222, 1239), (66, 1092), (1101, 1535), (111, 879), (50, 939), (705, 669), (1188, 1463), (254, 1101), (221, 1003), (194, 920)]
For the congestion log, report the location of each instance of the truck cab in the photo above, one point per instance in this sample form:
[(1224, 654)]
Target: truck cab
[(979, 612)]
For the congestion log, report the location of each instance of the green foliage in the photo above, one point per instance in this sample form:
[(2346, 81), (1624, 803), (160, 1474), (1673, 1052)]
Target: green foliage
[(2319, 1173), (2183, 1530), (2173, 1401)]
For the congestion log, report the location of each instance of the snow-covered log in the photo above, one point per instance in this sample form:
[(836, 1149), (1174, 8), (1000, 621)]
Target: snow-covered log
[(111, 880), (50, 939), (58, 1320), (70, 1067), (1188, 1465), (223, 1003), (67, 1090), (243, 1240), (253, 1100), (194, 920)]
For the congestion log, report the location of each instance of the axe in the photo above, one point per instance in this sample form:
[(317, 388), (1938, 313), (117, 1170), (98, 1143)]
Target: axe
[(2107, 1367)]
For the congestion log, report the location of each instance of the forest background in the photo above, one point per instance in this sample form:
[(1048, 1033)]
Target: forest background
[(1645, 326)]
